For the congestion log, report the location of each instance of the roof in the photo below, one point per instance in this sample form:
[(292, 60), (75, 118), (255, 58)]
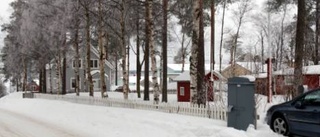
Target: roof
[(178, 67), (93, 49), (97, 71), (185, 76), (254, 67), (307, 70)]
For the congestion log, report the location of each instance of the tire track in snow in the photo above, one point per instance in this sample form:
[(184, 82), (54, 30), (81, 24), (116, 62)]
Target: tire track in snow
[(16, 125)]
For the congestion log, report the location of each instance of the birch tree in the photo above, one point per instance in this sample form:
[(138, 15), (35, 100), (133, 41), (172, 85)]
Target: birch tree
[(102, 50), (195, 51)]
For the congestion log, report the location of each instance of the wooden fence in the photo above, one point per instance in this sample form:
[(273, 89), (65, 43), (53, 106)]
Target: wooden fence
[(213, 111)]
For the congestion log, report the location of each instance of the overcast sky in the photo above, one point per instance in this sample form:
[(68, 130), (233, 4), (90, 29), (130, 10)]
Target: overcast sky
[(5, 11)]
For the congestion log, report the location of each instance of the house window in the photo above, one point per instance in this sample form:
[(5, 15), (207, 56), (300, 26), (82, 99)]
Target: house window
[(73, 82), (181, 91), (74, 63), (288, 80), (94, 63)]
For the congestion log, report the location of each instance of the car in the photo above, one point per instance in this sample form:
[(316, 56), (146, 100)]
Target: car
[(299, 116), (120, 89)]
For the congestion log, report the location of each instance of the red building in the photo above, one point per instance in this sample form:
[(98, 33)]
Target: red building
[(183, 85), (32, 86), (284, 79)]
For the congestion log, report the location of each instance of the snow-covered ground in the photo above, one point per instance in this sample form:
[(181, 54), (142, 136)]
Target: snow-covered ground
[(97, 121)]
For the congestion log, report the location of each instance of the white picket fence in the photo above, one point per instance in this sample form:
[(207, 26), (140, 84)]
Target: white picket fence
[(214, 111)]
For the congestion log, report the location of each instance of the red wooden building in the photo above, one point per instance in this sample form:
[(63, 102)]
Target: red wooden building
[(284, 78), (183, 85), (32, 86)]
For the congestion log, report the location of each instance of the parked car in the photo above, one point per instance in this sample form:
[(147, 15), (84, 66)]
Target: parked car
[(299, 116), (120, 89)]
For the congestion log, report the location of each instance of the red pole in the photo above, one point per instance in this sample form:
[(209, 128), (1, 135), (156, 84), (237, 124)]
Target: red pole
[(269, 77)]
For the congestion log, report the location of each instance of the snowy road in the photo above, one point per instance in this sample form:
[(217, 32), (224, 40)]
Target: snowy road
[(17, 125)]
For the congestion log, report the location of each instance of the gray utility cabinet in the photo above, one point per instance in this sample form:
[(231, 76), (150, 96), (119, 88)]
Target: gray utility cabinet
[(241, 103)]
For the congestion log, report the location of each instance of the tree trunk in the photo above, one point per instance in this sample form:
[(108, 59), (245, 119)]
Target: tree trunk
[(77, 58), (183, 52), (164, 50), (123, 51), (212, 61), (262, 50), (25, 73), (50, 73), (147, 46), (116, 69), (88, 46), (222, 33), (102, 57), (195, 51), (201, 90), (212, 34), (64, 68), (299, 51), (316, 62), (154, 70), (44, 79), (40, 80), (138, 58), (282, 37), (58, 73)]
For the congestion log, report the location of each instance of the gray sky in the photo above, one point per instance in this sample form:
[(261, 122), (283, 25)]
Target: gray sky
[(5, 11)]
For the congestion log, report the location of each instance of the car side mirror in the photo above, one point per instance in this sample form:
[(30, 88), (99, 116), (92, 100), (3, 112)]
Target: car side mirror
[(298, 105)]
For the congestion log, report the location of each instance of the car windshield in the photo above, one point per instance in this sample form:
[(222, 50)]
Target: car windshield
[(312, 98)]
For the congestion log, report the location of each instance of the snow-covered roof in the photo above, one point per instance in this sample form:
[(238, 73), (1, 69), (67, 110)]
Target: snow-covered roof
[(254, 66), (185, 76), (178, 67), (307, 70), (250, 77), (97, 71), (70, 57), (95, 51)]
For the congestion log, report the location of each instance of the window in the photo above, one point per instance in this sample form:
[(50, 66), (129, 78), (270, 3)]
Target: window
[(94, 63), (312, 99), (73, 82), (181, 91), (74, 63)]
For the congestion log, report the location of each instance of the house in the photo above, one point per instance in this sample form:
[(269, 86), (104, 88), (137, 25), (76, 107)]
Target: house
[(32, 86), (70, 74), (175, 70), (284, 78), (243, 68), (183, 85)]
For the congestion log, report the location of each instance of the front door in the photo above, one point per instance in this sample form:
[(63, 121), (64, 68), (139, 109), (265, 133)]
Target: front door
[(96, 84)]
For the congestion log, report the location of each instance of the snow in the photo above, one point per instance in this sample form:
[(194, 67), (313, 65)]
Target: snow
[(308, 70), (98, 121), (178, 67), (185, 76)]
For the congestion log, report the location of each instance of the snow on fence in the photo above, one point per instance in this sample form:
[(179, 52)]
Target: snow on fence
[(214, 111)]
